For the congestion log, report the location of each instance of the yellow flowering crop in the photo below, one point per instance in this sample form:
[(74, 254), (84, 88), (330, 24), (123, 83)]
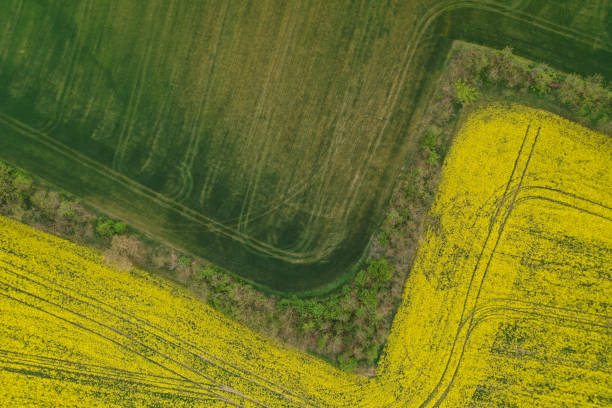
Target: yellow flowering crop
[(507, 305)]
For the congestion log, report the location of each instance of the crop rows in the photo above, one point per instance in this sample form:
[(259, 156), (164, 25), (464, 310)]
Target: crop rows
[(273, 133), (507, 302), (508, 288)]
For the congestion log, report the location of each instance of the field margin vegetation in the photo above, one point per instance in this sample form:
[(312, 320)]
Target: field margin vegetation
[(506, 295), (349, 326)]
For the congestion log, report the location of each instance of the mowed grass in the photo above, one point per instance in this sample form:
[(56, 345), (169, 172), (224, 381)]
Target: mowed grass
[(263, 136), (507, 305)]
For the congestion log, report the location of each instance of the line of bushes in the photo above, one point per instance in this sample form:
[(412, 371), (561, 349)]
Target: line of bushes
[(349, 327), (472, 75), (346, 328)]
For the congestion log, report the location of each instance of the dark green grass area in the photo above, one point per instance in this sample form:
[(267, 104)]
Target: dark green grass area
[(349, 326), (264, 136)]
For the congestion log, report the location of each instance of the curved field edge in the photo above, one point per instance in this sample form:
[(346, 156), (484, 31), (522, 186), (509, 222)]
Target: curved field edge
[(523, 205), (118, 194), (506, 303), (136, 322), (339, 327)]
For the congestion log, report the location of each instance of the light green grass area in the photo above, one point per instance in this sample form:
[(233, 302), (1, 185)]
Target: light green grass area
[(264, 136)]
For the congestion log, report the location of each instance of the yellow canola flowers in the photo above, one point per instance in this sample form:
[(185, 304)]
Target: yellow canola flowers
[(507, 304)]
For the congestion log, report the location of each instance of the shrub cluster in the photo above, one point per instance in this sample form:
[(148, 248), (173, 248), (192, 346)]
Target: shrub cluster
[(350, 326), (476, 74), (478, 70)]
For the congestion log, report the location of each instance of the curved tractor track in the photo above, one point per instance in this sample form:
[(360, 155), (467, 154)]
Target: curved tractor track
[(511, 286), (233, 133)]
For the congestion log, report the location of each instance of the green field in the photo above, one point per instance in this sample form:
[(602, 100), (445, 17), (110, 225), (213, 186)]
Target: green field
[(264, 136)]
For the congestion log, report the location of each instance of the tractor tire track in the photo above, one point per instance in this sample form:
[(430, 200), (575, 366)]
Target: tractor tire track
[(564, 204), (557, 190), (184, 190), (219, 389), (80, 326), (9, 356), (478, 262), (500, 311), (274, 73), (125, 133), (94, 377), (69, 79), (175, 342), (158, 198), (501, 199)]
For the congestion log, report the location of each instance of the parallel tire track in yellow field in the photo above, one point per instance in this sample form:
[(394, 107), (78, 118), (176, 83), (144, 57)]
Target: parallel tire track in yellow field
[(600, 324), (492, 223), (198, 356), (156, 331), (516, 250), (53, 368), (196, 368), (134, 345), (503, 312), (199, 384), (499, 310), (565, 204), (8, 356), (556, 190)]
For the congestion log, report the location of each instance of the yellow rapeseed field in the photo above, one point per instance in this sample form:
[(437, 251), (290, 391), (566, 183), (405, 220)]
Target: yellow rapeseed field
[(508, 303)]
